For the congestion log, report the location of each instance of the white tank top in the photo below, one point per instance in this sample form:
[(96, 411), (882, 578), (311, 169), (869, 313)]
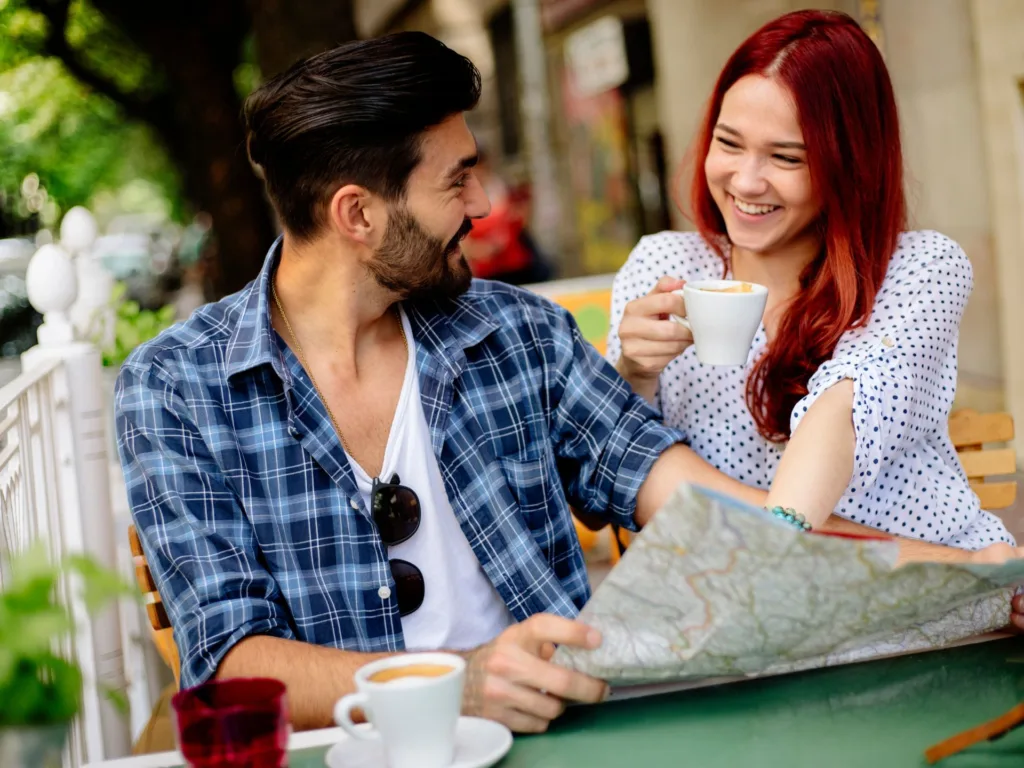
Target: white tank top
[(461, 609)]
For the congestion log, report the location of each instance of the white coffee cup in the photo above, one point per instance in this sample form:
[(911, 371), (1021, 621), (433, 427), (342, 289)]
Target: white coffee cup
[(723, 322), (414, 716)]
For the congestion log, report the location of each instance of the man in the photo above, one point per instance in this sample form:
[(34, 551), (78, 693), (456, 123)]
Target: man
[(363, 433), (365, 452)]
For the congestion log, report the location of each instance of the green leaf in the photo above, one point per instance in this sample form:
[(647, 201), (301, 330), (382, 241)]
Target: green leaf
[(165, 315), (118, 699), (64, 690), (102, 585), (117, 295), (37, 686), (26, 697)]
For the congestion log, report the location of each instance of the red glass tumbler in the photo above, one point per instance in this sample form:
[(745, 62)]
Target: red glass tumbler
[(233, 723)]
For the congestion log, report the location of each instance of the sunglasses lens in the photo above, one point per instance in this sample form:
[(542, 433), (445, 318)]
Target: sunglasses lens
[(408, 586), (396, 511)]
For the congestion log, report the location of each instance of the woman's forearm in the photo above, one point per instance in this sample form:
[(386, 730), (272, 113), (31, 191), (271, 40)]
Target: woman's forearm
[(817, 464)]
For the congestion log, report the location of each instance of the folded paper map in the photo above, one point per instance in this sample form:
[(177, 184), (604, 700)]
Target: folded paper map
[(712, 589)]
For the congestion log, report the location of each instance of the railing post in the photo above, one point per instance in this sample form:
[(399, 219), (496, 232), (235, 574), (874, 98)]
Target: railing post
[(83, 471)]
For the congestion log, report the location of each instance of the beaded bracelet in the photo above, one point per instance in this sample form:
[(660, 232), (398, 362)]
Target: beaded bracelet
[(790, 516)]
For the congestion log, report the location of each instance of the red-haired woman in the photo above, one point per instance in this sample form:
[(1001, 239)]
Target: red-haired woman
[(798, 186)]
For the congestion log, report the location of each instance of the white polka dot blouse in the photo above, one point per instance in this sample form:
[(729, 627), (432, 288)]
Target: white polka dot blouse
[(907, 479)]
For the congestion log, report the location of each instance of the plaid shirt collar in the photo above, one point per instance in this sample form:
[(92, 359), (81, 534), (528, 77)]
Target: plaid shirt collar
[(445, 335)]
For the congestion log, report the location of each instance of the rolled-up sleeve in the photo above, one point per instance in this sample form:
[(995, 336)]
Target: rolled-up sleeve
[(900, 365), (606, 438), (200, 546)]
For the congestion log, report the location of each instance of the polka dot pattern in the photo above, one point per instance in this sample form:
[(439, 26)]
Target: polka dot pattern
[(907, 479)]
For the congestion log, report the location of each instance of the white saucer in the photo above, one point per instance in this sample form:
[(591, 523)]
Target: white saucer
[(479, 743)]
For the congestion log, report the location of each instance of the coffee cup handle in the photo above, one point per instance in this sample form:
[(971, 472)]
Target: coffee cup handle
[(343, 716), (682, 321)]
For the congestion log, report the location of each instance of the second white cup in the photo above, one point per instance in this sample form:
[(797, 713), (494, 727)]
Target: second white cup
[(412, 702), (723, 316)]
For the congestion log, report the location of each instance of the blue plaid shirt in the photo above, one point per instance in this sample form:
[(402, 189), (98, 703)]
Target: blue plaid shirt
[(246, 503)]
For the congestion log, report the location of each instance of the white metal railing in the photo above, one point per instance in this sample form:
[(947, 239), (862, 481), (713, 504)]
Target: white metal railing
[(55, 487), (29, 494), (48, 446)]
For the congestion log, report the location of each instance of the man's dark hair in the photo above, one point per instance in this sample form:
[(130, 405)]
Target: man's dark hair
[(353, 115)]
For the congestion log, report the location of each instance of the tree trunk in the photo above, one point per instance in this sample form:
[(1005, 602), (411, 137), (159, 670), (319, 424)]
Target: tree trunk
[(289, 30), (198, 45)]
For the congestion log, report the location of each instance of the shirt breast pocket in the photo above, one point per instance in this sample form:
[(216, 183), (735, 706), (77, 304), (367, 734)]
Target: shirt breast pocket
[(535, 485)]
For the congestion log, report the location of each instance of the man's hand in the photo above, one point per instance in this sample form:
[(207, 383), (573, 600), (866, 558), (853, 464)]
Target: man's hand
[(994, 554), (512, 680)]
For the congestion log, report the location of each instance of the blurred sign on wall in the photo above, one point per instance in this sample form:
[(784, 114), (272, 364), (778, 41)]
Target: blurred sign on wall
[(595, 55), (599, 175)]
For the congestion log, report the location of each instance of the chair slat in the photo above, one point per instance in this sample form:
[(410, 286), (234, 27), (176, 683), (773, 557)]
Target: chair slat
[(995, 495), (163, 634), (968, 427), (143, 577), (135, 543), (157, 615), (165, 646), (985, 463)]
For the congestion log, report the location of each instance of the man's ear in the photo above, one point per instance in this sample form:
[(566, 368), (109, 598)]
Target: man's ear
[(357, 215)]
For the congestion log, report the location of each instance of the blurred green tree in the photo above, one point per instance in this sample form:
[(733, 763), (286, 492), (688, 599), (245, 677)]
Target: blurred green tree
[(171, 74)]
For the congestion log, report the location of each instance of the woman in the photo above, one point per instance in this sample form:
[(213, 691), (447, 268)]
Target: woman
[(853, 370)]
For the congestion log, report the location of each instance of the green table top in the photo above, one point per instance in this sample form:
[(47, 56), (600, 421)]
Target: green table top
[(875, 714)]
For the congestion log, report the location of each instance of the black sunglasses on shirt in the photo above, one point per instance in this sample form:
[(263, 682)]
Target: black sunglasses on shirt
[(396, 513)]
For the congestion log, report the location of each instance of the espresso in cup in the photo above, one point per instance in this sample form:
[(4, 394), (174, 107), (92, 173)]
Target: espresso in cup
[(410, 670), (739, 287)]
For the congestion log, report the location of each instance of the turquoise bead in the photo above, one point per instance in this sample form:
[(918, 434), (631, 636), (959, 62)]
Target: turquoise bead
[(791, 516)]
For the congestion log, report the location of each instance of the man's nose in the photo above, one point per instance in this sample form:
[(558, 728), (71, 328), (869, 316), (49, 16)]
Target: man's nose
[(478, 205)]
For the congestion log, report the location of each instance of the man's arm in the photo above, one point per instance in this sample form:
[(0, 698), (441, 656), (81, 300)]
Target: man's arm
[(200, 545), (315, 676), (510, 679), (680, 464)]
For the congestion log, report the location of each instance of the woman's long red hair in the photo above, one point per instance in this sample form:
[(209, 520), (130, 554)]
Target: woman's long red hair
[(847, 114)]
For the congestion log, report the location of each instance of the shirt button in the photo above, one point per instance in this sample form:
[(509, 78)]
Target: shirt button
[(887, 341), (384, 593), (294, 432), (353, 503)]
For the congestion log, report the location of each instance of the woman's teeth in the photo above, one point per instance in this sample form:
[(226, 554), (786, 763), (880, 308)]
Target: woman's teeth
[(752, 209)]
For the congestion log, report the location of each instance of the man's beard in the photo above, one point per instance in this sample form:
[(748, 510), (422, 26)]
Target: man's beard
[(415, 264)]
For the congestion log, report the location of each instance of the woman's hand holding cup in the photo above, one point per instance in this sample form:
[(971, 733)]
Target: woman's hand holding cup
[(650, 340)]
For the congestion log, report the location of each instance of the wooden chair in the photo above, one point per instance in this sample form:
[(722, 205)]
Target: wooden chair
[(163, 634), (970, 431)]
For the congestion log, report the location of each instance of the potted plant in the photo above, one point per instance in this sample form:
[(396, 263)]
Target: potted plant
[(40, 690)]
